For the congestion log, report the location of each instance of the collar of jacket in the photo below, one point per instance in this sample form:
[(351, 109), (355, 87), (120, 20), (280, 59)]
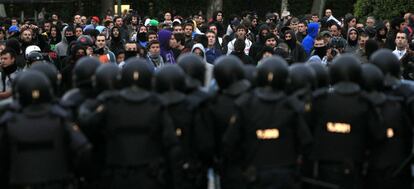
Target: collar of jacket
[(237, 88), (134, 94), (268, 94), (172, 97), (346, 88)]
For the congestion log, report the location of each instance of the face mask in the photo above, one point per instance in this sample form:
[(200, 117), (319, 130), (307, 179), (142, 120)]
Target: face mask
[(70, 38), (156, 55), (142, 36), (320, 51), (129, 54)]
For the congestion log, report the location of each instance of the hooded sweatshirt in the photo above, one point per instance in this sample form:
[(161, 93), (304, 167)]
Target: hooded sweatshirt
[(167, 54), (296, 51), (257, 47), (308, 42), (351, 46), (62, 46), (209, 67)]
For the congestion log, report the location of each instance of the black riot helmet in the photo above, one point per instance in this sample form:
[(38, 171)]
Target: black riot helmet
[(373, 78), (385, 60), (169, 78), (321, 73), (273, 72), (136, 73), (301, 77), (345, 68), (84, 71), (107, 77), (33, 87), (50, 72), (195, 69), (34, 57), (250, 72), (228, 70)]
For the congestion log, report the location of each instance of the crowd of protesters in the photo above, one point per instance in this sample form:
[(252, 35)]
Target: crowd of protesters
[(113, 39), (193, 102)]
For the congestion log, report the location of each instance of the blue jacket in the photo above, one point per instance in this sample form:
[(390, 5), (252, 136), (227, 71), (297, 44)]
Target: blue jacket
[(308, 41)]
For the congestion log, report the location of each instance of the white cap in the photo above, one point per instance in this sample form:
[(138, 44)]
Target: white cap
[(32, 48)]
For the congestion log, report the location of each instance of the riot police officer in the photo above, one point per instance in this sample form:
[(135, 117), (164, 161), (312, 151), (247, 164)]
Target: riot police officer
[(51, 73), (138, 134), (83, 73), (229, 75), (391, 68), (106, 82), (39, 148), (170, 84), (386, 168), (269, 133), (344, 125)]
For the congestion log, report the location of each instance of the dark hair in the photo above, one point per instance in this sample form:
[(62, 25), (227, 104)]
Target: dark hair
[(180, 38), (189, 24), (10, 51), (241, 26), (152, 43), (239, 45)]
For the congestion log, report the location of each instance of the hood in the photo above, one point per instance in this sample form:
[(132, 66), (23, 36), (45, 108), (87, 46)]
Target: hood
[(64, 40), (379, 27), (313, 30), (292, 42), (199, 46), (261, 37), (352, 43), (164, 37)]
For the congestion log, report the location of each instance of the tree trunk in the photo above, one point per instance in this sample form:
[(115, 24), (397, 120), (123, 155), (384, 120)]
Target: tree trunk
[(318, 6), (106, 4), (214, 5), (284, 6)]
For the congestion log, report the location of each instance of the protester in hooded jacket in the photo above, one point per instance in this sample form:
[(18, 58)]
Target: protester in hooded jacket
[(167, 54), (199, 50), (296, 53), (381, 36), (68, 35), (116, 41), (257, 47), (352, 41), (307, 43)]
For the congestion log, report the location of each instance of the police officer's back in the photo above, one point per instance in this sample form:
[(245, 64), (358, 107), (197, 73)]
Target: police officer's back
[(344, 124), (39, 148), (393, 85), (189, 172), (138, 133), (229, 75), (269, 132), (83, 73), (386, 168)]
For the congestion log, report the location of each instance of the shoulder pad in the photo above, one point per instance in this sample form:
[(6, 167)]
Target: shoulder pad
[(296, 104), (398, 98), (7, 116), (197, 98), (375, 99), (243, 99), (135, 94), (320, 92), (58, 110), (72, 98), (106, 95), (170, 98)]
